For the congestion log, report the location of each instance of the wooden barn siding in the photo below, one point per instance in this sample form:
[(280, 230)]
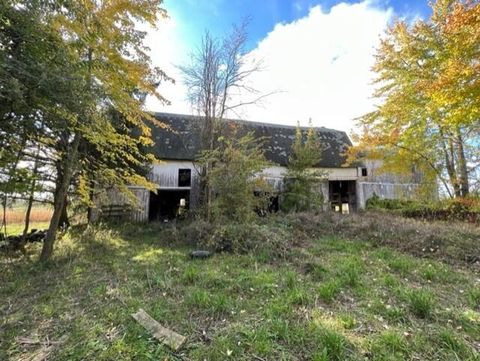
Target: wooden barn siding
[(365, 190), (143, 204), (165, 174), (115, 198)]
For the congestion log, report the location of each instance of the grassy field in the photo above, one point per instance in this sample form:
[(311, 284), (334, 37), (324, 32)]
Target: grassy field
[(331, 299), (17, 228), (38, 214)]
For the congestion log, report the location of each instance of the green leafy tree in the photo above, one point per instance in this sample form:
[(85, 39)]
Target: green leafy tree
[(113, 65), (428, 83), (35, 85), (67, 64), (303, 192), (238, 187)]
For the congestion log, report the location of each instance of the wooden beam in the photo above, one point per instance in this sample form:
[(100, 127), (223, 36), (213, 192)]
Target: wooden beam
[(164, 335)]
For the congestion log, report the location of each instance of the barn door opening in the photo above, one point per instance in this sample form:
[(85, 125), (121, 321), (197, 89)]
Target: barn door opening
[(342, 195), (168, 204)]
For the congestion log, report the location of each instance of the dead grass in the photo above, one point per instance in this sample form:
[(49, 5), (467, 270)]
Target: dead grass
[(451, 242), (39, 214)]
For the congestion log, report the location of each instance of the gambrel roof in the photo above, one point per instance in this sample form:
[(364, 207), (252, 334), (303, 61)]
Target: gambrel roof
[(181, 140)]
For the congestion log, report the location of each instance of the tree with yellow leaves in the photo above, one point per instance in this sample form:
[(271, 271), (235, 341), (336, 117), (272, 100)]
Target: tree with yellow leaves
[(74, 77), (428, 77)]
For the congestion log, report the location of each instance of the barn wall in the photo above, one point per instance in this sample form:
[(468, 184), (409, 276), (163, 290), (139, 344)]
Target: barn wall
[(140, 214), (165, 174), (366, 190), (114, 202), (274, 176), (340, 173)]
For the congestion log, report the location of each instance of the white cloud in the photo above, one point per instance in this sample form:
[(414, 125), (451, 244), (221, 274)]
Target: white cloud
[(322, 64), (168, 50)]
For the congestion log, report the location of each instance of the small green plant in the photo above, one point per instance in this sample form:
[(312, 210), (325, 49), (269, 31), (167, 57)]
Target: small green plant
[(421, 302), (351, 271), (219, 303), (348, 321), (390, 343), (429, 272), (390, 281), (474, 297), (395, 314), (297, 296), (318, 272), (334, 345), (448, 340), (291, 279), (199, 298), (401, 264), (190, 274), (329, 290)]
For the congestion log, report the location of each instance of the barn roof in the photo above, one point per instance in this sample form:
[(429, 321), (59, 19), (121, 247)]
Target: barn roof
[(181, 140)]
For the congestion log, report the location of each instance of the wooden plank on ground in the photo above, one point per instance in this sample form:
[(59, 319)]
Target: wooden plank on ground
[(164, 335)]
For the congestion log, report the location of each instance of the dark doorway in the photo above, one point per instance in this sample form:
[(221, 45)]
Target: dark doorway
[(168, 204), (271, 205), (342, 195), (184, 177)]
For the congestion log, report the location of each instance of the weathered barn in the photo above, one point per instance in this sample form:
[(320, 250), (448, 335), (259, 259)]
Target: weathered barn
[(178, 146), (177, 175)]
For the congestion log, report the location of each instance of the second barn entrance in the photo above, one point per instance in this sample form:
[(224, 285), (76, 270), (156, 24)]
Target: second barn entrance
[(342, 196)]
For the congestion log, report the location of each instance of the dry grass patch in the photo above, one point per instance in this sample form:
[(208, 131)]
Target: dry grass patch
[(38, 214)]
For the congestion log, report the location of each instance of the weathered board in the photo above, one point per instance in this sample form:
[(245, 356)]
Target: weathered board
[(164, 335)]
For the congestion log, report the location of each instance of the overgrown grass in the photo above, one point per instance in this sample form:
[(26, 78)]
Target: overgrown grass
[(330, 299)]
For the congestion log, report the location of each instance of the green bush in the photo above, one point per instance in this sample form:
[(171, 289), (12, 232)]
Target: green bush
[(464, 209), (250, 237)]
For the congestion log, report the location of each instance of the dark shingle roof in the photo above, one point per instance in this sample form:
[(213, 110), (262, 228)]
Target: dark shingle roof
[(182, 140)]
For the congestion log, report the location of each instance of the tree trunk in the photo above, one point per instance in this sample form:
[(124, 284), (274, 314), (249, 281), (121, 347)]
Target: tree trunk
[(64, 223), (450, 165), (91, 197), (462, 165), (60, 199), (31, 196)]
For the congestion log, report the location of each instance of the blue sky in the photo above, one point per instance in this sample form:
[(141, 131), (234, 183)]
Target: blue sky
[(317, 55), (218, 15)]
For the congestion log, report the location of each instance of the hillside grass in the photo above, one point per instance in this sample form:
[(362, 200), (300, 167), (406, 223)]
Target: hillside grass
[(331, 299)]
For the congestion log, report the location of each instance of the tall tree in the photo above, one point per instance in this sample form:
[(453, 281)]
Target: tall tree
[(113, 64), (218, 73), (429, 86), (34, 81), (78, 68)]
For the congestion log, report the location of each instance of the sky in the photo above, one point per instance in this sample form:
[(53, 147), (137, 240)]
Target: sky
[(316, 54)]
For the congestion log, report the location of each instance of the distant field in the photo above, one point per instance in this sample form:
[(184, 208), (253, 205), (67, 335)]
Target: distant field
[(17, 228), (39, 214), (39, 219)]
